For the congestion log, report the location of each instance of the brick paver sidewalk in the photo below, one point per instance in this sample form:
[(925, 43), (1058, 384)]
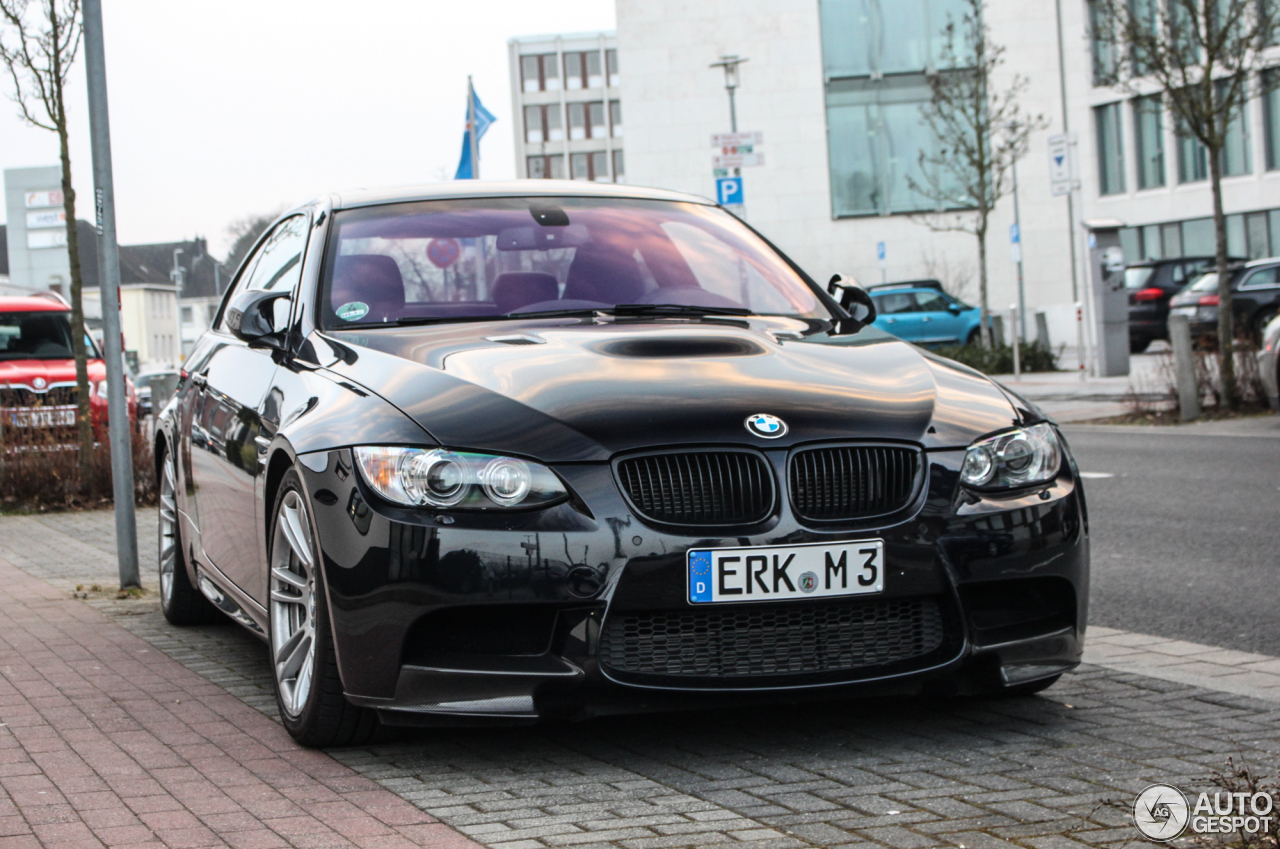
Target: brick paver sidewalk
[(105, 741)]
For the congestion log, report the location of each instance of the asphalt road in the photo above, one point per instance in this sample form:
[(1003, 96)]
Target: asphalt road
[(1186, 535)]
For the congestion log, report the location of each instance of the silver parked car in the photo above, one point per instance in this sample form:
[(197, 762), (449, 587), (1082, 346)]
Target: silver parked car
[(1269, 361)]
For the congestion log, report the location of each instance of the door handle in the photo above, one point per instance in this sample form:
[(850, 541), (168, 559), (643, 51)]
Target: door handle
[(926, 318)]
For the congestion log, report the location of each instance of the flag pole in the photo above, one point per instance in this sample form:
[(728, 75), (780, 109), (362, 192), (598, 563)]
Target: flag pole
[(471, 130)]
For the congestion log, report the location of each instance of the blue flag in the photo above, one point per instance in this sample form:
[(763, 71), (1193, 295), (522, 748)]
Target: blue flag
[(466, 169)]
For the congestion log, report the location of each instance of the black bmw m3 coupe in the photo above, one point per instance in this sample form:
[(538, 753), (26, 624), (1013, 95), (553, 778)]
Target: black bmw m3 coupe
[(519, 451)]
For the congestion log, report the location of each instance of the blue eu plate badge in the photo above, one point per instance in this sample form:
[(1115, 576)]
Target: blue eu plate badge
[(699, 576)]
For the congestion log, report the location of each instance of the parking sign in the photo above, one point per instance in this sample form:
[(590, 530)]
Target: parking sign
[(729, 191)]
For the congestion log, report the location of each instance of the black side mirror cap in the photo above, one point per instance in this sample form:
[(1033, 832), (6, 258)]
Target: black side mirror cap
[(853, 298), (249, 317)]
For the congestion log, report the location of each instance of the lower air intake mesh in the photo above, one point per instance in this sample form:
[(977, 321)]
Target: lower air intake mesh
[(746, 641)]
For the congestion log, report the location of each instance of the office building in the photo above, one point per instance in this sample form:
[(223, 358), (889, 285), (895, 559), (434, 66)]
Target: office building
[(567, 110)]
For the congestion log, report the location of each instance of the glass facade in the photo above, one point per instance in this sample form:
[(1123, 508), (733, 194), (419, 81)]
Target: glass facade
[(1251, 235), (1110, 149), (1193, 160), (1271, 119), (875, 57), (1103, 52), (1148, 141), (1235, 152)]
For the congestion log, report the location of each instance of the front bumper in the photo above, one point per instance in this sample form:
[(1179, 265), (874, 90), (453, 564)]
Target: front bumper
[(458, 618)]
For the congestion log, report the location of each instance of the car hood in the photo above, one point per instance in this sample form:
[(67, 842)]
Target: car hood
[(586, 390), (25, 372)]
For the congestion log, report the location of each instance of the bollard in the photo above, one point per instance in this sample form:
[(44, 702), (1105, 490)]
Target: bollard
[(1184, 367)]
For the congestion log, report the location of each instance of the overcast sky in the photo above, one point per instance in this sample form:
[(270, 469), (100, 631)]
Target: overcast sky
[(220, 110)]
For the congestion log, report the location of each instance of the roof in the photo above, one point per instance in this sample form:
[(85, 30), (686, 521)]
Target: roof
[(33, 303), (511, 188), (1148, 263), (202, 275), (1264, 261)]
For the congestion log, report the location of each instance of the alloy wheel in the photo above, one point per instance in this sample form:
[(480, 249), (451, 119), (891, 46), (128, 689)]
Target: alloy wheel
[(168, 547), (293, 604)]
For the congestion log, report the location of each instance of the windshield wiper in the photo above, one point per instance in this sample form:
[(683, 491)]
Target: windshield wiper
[(673, 309)]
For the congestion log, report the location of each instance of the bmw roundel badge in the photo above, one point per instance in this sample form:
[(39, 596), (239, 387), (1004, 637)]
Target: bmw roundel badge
[(767, 426)]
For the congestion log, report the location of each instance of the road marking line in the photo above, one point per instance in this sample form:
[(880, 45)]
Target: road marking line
[(1208, 667)]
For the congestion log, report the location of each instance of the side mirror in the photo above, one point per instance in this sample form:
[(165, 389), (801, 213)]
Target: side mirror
[(249, 317), (954, 309), (853, 298)]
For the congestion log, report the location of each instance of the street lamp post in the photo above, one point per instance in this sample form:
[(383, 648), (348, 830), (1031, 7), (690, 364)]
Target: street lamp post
[(109, 274), (730, 65)]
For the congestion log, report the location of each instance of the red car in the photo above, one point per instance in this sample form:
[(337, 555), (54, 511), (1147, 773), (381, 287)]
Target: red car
[(38, 371)]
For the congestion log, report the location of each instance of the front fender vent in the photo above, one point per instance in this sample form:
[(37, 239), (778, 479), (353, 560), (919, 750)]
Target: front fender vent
[(699, 487)]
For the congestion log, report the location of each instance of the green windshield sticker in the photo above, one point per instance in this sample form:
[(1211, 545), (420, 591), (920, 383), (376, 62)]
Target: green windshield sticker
[(353, 311)]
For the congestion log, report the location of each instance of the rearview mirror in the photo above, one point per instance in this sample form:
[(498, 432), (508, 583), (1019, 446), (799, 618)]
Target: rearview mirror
[(249, 316), (853, 298)]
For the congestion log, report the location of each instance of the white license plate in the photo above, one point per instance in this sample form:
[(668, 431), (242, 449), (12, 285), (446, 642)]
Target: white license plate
[(37, 417), (781, 572), (1187, 311)]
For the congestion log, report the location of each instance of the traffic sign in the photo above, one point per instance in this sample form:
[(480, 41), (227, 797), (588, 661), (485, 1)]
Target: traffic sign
[(735, 139), (1061, 180), (880, 254), (1015, 243), (729, 191), (443, 252), (737, 160)]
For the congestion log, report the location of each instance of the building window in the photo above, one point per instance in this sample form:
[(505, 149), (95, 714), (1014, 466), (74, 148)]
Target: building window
[(615, 118), (188, 315), (1110, 149), (539, 73), (545, 167), (1103, 52), (1148, 141), (875, 58), (1271, 119), (586, 120), (1193, 160), (542, 124), (582, 70), (611, 64), (619, 168), (589, 166), (1198, 238), (1236, 148)]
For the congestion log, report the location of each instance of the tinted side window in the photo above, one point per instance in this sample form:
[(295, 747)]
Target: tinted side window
[(932, 301), (1261, 277), (277, 263), (890, 304)]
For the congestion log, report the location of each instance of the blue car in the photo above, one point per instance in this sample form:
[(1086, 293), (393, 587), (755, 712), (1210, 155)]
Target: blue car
[(919, 311)]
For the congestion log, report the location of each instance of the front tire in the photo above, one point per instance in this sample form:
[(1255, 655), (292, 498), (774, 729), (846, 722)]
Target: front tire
[(181, 602), (308, 688)]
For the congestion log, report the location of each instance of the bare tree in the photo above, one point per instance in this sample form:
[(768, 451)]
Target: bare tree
[(38, 47), (1201, 57), (981, 131), (244, 233)]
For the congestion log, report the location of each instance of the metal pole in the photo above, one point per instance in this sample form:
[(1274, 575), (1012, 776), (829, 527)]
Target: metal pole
[(471, 130), (1022, 292), (1072, 238), (733, 111), (109, 275)]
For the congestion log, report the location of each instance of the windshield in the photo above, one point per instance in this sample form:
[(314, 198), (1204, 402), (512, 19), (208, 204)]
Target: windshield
[(37, 336), (1137, 277), (496, 257)]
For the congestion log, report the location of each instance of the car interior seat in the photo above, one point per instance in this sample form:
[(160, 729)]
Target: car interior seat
[(371, 279)]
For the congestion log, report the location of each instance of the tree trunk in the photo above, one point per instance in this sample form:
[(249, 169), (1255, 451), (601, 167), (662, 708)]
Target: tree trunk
[(984, 311), (1226, 330), (84, 426)]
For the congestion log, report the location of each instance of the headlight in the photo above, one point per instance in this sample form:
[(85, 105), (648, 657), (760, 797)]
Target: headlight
[(1018, 458), (438, 477)]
